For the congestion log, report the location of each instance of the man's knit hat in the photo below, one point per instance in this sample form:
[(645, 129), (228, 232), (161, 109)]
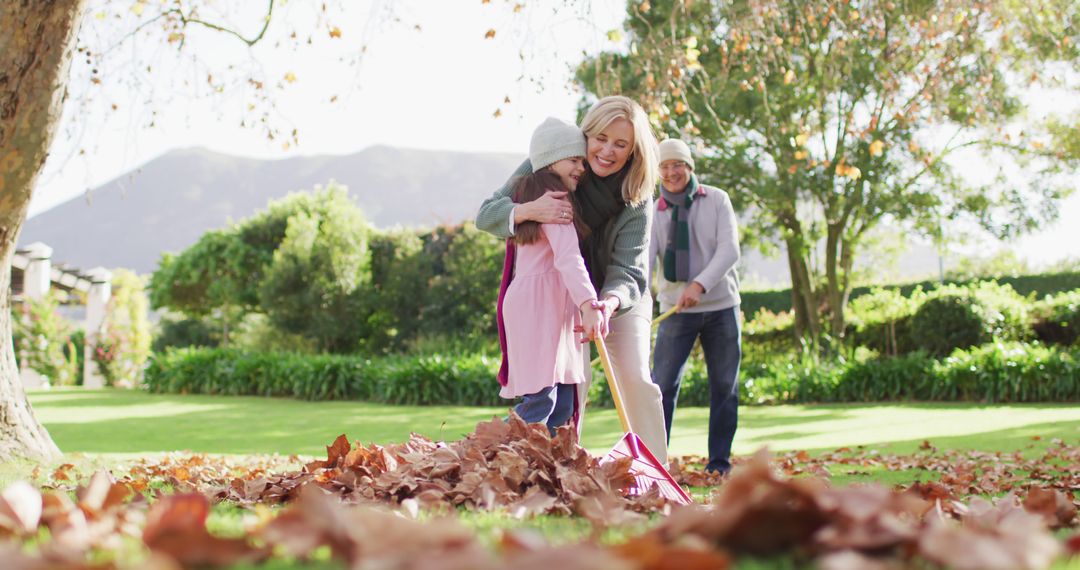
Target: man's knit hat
[(553, 141), (675, 149)]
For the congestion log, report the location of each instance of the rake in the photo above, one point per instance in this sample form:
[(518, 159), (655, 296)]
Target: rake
[(647, 471)]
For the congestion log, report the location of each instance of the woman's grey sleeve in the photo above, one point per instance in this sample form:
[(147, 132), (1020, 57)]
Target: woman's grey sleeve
[(495, 212)]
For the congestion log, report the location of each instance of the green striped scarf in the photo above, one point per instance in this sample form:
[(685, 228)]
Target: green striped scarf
[(677, 250)]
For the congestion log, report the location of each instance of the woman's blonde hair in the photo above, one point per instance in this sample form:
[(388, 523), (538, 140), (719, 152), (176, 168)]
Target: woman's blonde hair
[(644, 157)]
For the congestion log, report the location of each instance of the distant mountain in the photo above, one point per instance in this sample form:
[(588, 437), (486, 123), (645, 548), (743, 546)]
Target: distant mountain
[(172, 200)]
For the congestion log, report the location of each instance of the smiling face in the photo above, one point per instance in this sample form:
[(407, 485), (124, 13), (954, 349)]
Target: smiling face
[(569, 171), (610, 149), (675, 175)]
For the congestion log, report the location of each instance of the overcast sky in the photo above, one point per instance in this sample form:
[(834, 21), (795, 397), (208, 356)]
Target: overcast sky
[(436, 87)]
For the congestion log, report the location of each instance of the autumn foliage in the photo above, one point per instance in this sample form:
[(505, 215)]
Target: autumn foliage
[(825, 120), (393, 507)]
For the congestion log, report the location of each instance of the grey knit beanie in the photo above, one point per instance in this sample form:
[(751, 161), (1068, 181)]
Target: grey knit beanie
[(553, 141), (675, 149)]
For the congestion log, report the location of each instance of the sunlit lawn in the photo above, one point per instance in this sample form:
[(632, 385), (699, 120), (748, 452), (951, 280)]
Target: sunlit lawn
[(123, 423), (106, 427)]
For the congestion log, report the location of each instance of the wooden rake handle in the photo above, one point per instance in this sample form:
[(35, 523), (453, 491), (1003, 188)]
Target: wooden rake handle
[(613, 386)]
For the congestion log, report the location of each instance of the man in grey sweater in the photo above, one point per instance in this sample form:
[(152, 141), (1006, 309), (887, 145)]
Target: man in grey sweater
[(696, 242)]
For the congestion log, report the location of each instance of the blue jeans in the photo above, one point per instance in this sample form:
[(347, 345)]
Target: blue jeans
[(720, 336), (551, 406)]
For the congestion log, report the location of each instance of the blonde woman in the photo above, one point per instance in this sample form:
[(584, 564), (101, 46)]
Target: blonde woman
[(614, 201)]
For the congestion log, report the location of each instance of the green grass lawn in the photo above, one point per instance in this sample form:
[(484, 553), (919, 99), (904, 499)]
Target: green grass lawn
[(101, 428), (126, 423)]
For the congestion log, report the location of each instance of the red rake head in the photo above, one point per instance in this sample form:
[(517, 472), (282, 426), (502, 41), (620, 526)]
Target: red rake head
[(648, 472)]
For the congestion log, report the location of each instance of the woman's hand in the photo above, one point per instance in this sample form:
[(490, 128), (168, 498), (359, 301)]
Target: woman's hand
[(551, 208)]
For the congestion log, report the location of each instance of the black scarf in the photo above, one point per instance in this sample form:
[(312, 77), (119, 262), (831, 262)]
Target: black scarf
[(599, 202)]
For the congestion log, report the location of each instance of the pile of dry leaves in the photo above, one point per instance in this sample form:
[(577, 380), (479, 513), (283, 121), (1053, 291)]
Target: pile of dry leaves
[(507, 465), (362, 504)]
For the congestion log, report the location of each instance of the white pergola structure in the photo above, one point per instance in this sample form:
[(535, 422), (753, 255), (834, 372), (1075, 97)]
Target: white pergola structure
[(33, 275)]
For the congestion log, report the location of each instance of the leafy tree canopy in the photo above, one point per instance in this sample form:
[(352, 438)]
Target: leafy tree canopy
[(824, 118)]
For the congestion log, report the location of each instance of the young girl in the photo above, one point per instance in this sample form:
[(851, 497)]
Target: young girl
[(550, 293)]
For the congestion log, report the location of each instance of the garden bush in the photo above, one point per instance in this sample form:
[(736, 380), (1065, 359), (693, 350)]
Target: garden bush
[(1001, 372), (41, 338), (905, 378), (1040, 284), (174, 330), (74, 352), (415, 380), (1010, 372), (881, 320), (954, 317), (1056, 319), (769, 330), (122, 344)]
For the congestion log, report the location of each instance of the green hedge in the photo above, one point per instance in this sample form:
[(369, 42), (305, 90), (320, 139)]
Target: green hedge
[(953, 317), (992, 373), (422, 380), (778, 300), (1057, 318), (1002, 372)]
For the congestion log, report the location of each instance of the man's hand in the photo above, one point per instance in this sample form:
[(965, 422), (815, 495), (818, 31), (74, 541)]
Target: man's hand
[(551, 208), (691, 295)]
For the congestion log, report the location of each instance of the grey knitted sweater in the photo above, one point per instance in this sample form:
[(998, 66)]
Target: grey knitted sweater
[(627, 276), (714, 252)]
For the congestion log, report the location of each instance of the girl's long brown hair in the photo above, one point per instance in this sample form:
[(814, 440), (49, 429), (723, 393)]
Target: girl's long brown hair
[(531, 187)]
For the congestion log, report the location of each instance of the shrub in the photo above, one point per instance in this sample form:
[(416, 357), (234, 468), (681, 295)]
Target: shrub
[(122, 345), (778, 300), (318, 276), (74, 352), (954, 317), (881, 320), (41, 337), (177, 331), (906, 377), (420, 380), (1057, 319), (769, 329), (463, 292), (401, 269), (1010, 372), (776, 379), (1002, 372)]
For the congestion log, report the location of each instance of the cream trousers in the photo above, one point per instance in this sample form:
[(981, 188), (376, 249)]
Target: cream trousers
[(628, 342)]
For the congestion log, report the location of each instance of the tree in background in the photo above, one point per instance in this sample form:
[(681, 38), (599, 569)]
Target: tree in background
[(319, 271), (38, 43), (401, 271), (209, 280), (123, 345), (465, 288), (823, 119), (301, 262), (180, 331)]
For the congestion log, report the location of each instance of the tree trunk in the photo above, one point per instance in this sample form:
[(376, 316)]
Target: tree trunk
[(803, 295), (797, 303), (847, 260), (37, 38), (834, 290)]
